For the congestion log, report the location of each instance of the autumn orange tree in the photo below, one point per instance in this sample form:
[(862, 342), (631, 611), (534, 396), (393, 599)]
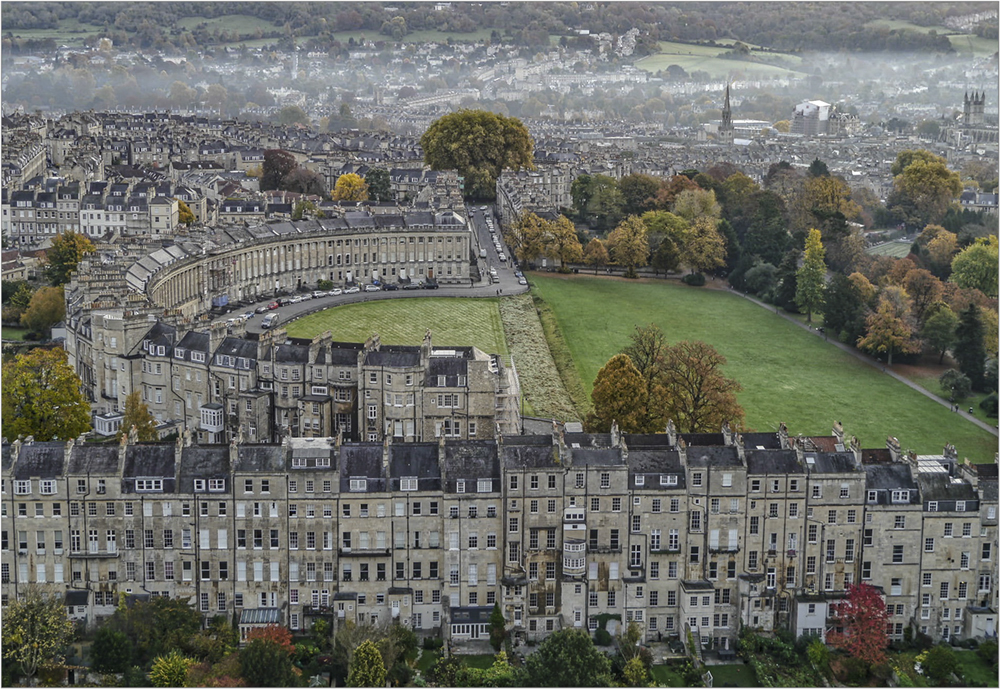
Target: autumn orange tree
[(888, 332), (274, 633), (619, 396), (694, 392), (864, 618)]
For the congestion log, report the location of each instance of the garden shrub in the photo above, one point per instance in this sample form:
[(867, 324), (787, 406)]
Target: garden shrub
[(988, 652), (602, 637), (694, 279)]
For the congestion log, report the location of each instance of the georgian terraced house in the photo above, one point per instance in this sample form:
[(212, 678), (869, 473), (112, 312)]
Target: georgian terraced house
[(699, 532)]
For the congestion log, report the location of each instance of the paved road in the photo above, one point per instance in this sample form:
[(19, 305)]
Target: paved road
[(870, 361), (505, 283)]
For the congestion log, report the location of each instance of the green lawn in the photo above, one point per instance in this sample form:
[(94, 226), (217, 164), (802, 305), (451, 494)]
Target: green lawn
[(427, 660), (481, 661), (240, 23), (453, 322), (705, 58), (788, 375), (930, 383), (894, 249), (667, 676), (13, 333), (977, 672), (736, 675)]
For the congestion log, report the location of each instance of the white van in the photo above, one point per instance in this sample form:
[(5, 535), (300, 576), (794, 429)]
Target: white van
[(270, 320), (482, 253)]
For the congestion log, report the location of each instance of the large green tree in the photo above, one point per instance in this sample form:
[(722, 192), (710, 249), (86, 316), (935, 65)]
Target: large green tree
[(846, 307), (969, 347), (42, 398), (35, 629), (111, 651), (64, 256), (137, 414), (350, 187), (47, 307), (596, 254), (367, 667), (157, 626), (379, 184), (704, 248), (480, 145), (975, 266), (265, 663), (939, 329), (568, 658), (277, 165), (810, 283), (498, 627), (170, 670), (638, 192), (923, 187), (619, 395)]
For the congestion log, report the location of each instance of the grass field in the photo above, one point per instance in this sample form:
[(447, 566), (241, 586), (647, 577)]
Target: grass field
[(427, 660), (787, 374), (736, 675), (705, 58), (930, 383), (13, 333), (894, 249), (909, 26), (454, 322), (977, 672), (961, 42), (481, 661), (665, 675), (240, 23)]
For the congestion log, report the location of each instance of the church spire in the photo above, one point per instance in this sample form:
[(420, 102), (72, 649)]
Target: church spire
[(726, 128)]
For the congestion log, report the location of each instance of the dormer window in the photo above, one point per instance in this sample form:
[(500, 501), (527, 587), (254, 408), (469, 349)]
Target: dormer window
[(148, 485), (668, 480), (640, 480), (484, 485), (359, 485), (873, 496), (408, 483), (900, 496)]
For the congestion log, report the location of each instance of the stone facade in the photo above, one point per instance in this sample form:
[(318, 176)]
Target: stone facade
[(567, 530)]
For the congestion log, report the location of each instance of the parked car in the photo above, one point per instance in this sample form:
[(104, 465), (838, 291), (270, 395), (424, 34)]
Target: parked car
[(284, 301), (352, 290), (503, 256), (522, 281), (518, 274), (372, 288), (317, 293), (262, 309), (335, 292), (391, 287), (273, 305), (270, 320), (411, 285), (306, 297), (430, 285)]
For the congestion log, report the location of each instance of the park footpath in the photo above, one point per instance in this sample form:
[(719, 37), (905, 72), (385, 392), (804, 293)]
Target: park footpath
[(874, 363)]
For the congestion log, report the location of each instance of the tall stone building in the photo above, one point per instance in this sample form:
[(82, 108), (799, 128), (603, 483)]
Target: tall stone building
[(675, 532)]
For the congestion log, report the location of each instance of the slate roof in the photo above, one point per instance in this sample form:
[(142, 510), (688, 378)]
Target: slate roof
[(237, 347), (40, 460), (291, 354), (889, 477), (720, 456), (471, 460), (703, 439), (203, 462), (597, 456), (95, 459), (362, 460), (769, 441), (773, 462), (646, 440), (156, 461), (260, 458), (394, 357), (528, 452), (415, 459), (940, 487), (830, 462), (592, 439), (654, 461)]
